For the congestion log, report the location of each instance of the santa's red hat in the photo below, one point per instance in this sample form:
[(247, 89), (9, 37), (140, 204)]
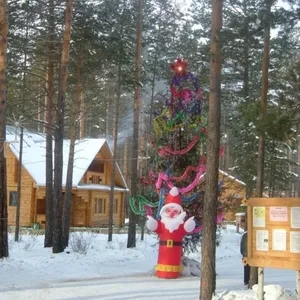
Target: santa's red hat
[(172, 199), (173, 196)]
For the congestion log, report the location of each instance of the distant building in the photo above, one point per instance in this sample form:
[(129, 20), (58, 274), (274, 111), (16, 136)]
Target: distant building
[(91, 181), (233, 192)]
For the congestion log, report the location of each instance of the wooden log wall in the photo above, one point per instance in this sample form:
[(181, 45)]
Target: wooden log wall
[(232, 188), (27, 191)]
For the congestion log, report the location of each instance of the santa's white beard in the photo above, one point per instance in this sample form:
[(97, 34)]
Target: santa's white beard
[(173, 224)]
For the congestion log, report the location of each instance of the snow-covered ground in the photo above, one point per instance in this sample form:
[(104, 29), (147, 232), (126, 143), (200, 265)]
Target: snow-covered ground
[(110, 271)]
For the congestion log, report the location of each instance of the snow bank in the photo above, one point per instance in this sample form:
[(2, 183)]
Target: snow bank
[(272, 292), (277, 292)]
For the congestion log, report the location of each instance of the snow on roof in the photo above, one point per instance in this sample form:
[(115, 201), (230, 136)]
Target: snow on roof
[(34, 158), (227, 175), (240, 214), (30, 138), (34, 155), (232, 177), (98, 187)]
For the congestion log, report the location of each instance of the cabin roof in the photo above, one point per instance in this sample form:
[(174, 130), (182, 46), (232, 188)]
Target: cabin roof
[(232, 177), (34, 155), (227, 175)]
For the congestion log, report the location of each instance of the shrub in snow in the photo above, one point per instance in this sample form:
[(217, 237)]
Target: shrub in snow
[(80, 242), (191, 267), (117, 244), (109, 245), (122, 244), (11, 240), (192, 242)]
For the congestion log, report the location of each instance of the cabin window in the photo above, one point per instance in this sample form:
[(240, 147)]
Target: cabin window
[(95, 179), (116, 206), (13, 198), (41, 206), (100, 206)]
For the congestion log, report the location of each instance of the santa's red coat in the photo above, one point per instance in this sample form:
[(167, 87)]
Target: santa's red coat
[(170, 251)]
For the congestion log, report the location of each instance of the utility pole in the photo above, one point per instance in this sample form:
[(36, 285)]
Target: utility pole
[(17, 229)]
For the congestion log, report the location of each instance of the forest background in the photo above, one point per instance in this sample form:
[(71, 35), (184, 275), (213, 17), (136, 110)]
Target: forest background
[(72, 68), (102, 55)]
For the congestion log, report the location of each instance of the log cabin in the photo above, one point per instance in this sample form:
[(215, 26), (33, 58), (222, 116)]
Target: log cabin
[(232, 194), (91, 181)]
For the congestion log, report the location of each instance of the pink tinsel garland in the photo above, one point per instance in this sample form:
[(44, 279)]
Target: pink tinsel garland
[(164, 177)]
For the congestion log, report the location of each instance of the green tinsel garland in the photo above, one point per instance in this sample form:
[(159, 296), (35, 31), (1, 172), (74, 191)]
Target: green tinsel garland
[(142, 202)]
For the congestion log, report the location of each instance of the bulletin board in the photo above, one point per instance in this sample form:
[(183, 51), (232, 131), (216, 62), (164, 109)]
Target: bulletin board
[(273, 233)]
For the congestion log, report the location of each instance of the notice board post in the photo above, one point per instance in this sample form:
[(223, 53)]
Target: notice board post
[(274, 235)]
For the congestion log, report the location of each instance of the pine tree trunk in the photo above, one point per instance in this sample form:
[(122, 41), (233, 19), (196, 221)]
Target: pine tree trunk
[(246, 59), (114, 167), (228, 153), (208, 243), (154, 72), (68, 194), (131, 241), (298, 160), (3, 95), (263, 109), (153, 80), (69, 181), (59, 132), (49, 130)]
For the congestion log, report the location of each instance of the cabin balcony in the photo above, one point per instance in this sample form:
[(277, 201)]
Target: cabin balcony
[(94, 178)]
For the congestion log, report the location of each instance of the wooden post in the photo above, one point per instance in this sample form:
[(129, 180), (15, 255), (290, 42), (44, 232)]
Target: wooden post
[(298, 284), (260, 291), (237, 227)]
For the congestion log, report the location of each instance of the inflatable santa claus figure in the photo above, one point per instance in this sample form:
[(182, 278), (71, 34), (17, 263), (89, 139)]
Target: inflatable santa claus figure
[(171, 229)]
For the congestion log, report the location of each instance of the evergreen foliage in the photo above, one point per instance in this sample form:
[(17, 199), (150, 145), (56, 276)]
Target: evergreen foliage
[(103, 35)]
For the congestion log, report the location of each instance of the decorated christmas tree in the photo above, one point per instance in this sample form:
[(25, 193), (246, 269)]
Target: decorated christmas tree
[(178, 141)]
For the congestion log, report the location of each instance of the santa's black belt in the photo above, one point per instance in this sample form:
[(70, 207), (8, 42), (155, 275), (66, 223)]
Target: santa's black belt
[(170, 243)]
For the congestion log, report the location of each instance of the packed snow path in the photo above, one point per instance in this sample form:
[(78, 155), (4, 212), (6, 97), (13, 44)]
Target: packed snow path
[(110, 271), (140, 286)]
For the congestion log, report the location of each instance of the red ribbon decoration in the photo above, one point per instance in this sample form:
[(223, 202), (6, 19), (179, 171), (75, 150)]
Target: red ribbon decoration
[(165, 151)]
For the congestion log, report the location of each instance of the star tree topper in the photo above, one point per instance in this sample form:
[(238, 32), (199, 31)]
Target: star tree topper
[(180, 66)]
